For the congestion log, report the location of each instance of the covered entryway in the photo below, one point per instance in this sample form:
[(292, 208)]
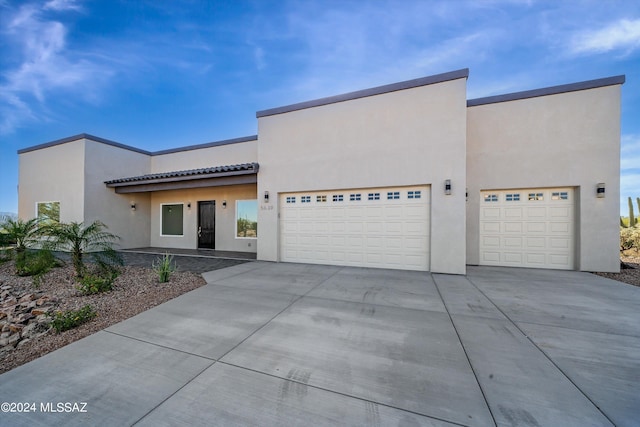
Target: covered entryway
[(371, 227), (528, 228)]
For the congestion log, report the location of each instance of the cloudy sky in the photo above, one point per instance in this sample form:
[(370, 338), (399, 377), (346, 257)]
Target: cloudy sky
[(163, 74)]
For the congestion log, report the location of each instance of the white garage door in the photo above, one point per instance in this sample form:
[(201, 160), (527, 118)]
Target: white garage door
[(374, 227), (527, 228)]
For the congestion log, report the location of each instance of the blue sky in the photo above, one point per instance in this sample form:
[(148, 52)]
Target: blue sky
[(163, 74)]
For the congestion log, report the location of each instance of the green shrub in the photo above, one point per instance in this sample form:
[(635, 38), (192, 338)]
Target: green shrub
[(35, 263), (629, 238), (164, 267), (94, 283), (65, 320)]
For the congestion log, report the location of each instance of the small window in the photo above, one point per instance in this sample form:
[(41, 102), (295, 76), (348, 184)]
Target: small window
[(513, 197), (414, 194), (172, 216), (305, 199), (374, 196), (355, 197), (562, 195), (536, 196), (291, 199), (338, 197), (246, 219), (48, 212), (321, 199), (391, 195), (490, 197)]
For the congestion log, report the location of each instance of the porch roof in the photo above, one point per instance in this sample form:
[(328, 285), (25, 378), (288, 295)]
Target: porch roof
[(245, 173)]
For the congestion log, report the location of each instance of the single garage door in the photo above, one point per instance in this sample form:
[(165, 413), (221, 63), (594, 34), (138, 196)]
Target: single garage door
[(373, 227), (528, 228)]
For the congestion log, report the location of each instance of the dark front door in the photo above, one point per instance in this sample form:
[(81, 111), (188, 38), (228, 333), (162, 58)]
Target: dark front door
[(207, 224)]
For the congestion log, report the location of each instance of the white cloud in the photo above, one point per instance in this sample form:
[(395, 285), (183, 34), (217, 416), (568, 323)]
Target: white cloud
[(62, 5), (621, 35)]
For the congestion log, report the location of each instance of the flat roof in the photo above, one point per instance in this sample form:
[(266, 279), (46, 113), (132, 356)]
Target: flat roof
[(424, 81), (552, 90)]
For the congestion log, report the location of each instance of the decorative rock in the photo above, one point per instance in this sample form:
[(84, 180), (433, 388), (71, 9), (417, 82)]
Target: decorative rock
[(27, 298), (23, 342), (39, 311)]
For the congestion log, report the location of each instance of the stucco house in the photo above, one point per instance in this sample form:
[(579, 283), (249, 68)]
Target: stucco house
[(410, 175)]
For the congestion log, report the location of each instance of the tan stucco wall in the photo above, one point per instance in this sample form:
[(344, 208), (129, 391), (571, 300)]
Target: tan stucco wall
[(55, 174), (221, 155), (408, 137), (563, 140), (105, 162), (225, 218)]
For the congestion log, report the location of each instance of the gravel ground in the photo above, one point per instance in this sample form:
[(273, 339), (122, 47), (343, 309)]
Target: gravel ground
[(135, 290), (630, 271)]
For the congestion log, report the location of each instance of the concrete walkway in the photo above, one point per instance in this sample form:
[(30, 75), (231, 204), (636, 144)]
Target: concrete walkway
[(292, 344)]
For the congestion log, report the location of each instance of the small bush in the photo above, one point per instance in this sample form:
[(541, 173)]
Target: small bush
[(164, 267), (65, 320), (630, 238), (92, 283), (35, 263)]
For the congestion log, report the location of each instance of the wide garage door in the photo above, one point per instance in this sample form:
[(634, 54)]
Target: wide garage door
[(374, 227), (528, 228)]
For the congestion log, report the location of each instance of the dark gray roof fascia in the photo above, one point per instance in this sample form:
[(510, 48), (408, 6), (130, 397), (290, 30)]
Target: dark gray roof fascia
[(82, 136), (572, 87), (190, 174), (424, 81), (206, 145)]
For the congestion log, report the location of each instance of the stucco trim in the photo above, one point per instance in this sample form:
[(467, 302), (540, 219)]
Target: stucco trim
[(552, 90), (207, 145), (424, 81), (79, 137)]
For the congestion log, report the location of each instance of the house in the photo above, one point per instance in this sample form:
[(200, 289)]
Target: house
[(410, 175)]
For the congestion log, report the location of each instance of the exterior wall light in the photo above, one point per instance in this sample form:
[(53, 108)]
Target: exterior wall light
[(188, 205), (600, 190), (133, 206), (447, 187), (224, 204), (266, 197)]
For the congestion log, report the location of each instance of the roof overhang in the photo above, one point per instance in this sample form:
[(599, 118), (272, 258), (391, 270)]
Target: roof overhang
[(246, 173)]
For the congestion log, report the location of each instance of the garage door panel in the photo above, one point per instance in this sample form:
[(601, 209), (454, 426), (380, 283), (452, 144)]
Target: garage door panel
[(528, 228), (390, 229)]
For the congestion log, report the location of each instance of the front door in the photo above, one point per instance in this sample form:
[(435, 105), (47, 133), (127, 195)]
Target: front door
[(207, 224)]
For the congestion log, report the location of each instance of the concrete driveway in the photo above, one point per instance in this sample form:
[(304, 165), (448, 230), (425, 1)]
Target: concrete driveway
[(292, 344)]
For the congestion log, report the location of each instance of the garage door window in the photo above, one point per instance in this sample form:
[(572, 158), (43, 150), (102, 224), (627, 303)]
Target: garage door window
[(414, 194), (374, 196), (513, 197), (563, 195), (536, 196), (354, 197), (291, 199), (392, 195), (490, 197)]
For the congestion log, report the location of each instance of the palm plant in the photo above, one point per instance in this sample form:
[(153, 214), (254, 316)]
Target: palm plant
[(23, 234), (79, 238)]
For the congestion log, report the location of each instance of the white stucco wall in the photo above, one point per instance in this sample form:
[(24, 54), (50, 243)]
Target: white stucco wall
[(105, 162), (225, 219), (221, 155), (55, 174), (562, 140), (409, 137)]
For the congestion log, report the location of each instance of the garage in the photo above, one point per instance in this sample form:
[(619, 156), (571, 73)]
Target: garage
[(528, 228), (373, 227)]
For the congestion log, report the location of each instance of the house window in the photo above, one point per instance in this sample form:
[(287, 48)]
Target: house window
[(513, 197), (354, 197), (321, 199), (391, 195), (338, 197), (374, 196), (305, 199), (562, 195), (490, 197), (291, 199), (171, 219), (48, 212), (536, 196), (414, 194), (246, 219)]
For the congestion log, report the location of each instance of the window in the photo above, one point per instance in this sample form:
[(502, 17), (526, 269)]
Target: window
[(354, 197), (291, 199), (414, 194), (246, 219), (171, 220), (48, 212), (513, 197), (391, 195), (338, 197), (305, 199), (490, 197), (321, 199), (374, 196), (562, 195), (536, 196)]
